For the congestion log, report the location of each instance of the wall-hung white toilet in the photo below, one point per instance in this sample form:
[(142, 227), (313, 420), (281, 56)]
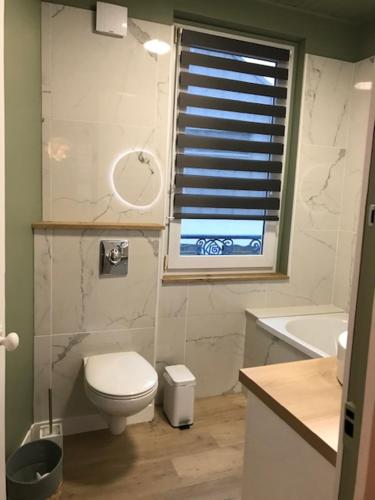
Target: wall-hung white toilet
[(119, 384)]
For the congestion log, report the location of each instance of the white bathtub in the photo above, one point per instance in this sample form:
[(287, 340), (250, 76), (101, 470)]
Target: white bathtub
[(314, 335)]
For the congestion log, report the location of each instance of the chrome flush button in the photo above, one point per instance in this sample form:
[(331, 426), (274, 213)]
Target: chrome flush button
[(114, 257)]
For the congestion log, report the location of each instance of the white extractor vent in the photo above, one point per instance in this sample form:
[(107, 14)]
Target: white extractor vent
[(111, 19)]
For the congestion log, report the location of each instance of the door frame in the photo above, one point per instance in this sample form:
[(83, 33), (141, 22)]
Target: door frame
[(354, 453), (2, 257), (365, 480), (356, 482)]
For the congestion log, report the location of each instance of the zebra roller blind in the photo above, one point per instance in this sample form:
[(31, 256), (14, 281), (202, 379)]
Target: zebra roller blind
[(231, 111)]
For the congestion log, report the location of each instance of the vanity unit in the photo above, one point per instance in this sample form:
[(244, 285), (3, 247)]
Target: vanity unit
[(292, 430)]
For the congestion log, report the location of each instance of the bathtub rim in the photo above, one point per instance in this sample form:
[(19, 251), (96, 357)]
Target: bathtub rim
[(296, 342)]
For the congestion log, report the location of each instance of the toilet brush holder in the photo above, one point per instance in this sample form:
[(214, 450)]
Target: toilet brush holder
[(56, 435)]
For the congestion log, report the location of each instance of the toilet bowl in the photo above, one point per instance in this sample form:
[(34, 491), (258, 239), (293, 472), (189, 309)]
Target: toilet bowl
[(119, 385)]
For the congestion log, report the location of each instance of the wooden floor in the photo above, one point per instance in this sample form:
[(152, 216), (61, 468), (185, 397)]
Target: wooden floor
[(156, 462)]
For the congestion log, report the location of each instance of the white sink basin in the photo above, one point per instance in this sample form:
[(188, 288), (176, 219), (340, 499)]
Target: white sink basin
[(341, 351)]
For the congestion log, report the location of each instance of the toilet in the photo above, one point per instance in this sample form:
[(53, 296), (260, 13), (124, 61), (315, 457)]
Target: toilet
[(119, 384)]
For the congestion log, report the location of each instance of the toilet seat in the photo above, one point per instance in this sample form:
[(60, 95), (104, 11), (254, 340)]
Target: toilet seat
[(121, 398), (120, 376)]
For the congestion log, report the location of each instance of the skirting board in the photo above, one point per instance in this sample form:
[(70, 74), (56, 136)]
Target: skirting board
[(94, 422), (28, 436), (33, 433)]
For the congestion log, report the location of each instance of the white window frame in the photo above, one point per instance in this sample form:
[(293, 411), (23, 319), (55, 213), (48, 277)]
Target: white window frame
[(267, 260)]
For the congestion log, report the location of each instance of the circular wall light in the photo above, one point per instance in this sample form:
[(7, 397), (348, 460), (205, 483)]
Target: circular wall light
[(136, 179)]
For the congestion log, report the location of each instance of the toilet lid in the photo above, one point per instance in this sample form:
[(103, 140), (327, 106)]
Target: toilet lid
[(120, 374)]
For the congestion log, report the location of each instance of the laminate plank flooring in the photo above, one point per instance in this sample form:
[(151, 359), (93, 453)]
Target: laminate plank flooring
[(154, 461)]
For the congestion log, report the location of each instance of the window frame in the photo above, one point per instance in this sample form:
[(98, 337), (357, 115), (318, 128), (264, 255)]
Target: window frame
[(267, 261)]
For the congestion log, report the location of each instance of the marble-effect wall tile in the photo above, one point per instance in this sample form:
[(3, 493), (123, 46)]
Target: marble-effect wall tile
[(327, 92), (43, 282), (312, 265), (171, 328), (68, 352), (319, 187), (83, 300), (262, 348), (78, 312), (213, 310), (171, 341), (344, 269), (170, 346), (101, 102), (353, 182), (97, 105), (214, 352), (225, 298), (173, 301), (42, 375)]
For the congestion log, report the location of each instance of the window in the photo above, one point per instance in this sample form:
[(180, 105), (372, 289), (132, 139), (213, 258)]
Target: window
[(231, 115)]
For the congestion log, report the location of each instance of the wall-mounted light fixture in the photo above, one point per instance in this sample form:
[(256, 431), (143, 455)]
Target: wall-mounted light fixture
[(156, 46), (363, 85), (143, 165)]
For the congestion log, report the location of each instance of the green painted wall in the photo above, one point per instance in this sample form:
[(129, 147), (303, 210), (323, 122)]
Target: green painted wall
[(367, 41), (23, 202), (322, 36), (286, 208)]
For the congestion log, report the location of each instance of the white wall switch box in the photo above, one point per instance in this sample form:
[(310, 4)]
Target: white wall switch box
[(111, 19)]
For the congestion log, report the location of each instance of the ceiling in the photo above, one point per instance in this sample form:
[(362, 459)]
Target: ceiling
[(351, 11)]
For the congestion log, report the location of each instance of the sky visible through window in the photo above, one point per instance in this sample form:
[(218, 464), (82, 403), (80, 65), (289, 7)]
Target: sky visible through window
[(228, 237)]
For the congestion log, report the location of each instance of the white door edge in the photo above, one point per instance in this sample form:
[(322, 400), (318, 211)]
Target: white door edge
[(2, 258)]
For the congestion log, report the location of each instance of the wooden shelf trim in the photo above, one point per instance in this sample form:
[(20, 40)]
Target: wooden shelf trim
[(142, 226), (222, 277)]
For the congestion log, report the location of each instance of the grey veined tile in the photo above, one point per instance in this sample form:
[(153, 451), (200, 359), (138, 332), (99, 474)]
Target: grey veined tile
[(85, 301), (67, 363)]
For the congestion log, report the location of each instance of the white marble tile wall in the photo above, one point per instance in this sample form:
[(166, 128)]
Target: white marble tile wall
[(363, 85), (103, 97), (59, 361), (111, 96), (262, 348), (327, 94), (80, 300), (212, 320), (322, 147), (79, 312)]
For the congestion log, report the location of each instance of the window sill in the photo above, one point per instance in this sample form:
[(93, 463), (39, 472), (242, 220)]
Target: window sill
[(221, 277)]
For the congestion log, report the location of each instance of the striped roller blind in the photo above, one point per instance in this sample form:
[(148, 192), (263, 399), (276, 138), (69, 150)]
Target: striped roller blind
[(231, 110)]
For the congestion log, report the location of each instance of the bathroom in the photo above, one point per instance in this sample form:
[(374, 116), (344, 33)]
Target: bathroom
[(105, 122)]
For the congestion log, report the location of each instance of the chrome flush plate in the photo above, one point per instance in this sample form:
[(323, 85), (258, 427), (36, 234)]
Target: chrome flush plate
[(114, 257)]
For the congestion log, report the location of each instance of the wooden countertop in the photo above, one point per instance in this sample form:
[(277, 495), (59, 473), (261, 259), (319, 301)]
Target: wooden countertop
[(306, 395)]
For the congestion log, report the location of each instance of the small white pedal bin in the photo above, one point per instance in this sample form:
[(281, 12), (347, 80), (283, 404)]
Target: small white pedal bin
[(179, 393)]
